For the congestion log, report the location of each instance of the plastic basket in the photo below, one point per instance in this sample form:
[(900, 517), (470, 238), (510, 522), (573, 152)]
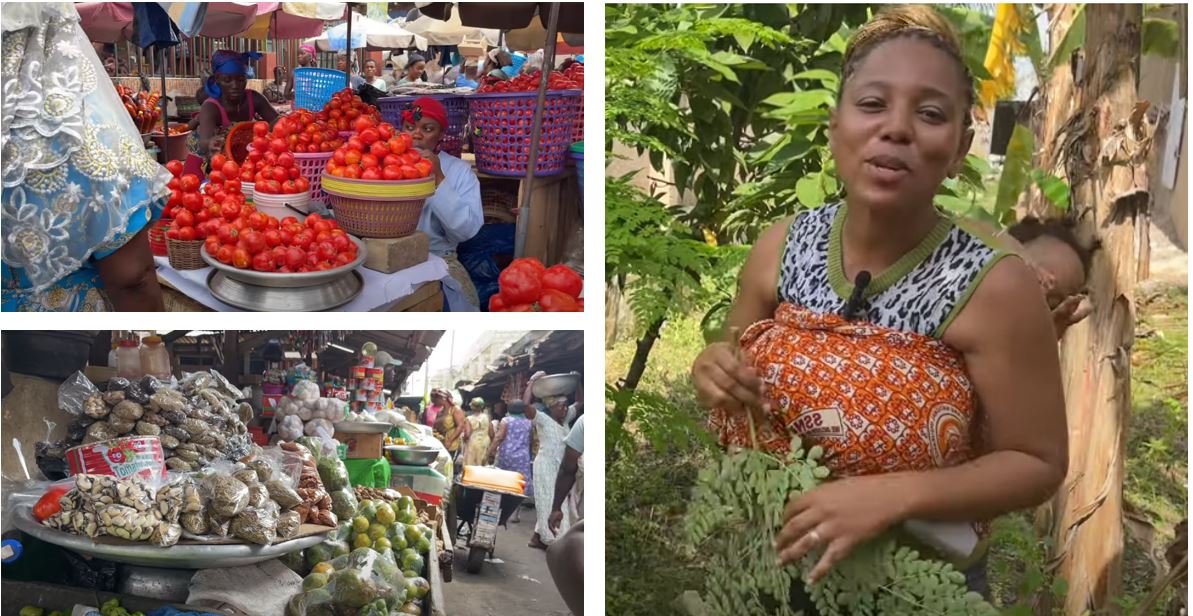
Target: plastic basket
[(578, 130), (311, 166), (457, 117), (314, 87), (502, 125), (157, 237), (275, 205), (392, 213), (185, 255)]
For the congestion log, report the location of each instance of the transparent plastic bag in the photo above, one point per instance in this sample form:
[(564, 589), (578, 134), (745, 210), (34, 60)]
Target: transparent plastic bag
[(226, 496), (75, 392), (363, 582), (290, 428)]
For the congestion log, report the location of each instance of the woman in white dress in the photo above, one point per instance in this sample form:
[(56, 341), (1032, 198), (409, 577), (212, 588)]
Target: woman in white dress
[(551, 430)]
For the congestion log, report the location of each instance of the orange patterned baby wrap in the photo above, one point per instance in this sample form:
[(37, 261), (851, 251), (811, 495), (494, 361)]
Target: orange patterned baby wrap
[(875, 399)]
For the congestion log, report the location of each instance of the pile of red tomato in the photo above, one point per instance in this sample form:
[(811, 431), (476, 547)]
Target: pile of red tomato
[(271, 167), (378, 151), (192, 212), (570, 79), (345, 109), (262, 243), (528, 286)]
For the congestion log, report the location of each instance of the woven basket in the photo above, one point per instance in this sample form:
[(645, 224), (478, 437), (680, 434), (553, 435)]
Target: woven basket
[(157, 237), (371, 208), (457, 117), (185, 255), (502, 124)]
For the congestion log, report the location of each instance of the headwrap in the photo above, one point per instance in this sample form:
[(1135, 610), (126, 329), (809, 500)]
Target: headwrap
[(428, 107), (307, 48), (443, 393), (477, 403), (517, 407), (229, 63)]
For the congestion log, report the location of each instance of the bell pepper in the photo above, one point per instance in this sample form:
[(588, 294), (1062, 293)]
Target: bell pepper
[(49, 503)]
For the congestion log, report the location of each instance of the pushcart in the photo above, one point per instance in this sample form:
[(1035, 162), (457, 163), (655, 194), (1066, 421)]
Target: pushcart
[(480, 511)]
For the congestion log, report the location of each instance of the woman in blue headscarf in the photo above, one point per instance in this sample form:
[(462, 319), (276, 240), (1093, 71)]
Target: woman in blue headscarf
[(79, 191), (229, 99)]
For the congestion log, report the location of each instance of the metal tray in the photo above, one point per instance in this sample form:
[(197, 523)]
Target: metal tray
[(325, 296), (173, 557), (284, 281), (362, 427)]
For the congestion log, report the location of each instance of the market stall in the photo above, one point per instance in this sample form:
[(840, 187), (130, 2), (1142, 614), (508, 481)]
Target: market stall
[(170, 474)]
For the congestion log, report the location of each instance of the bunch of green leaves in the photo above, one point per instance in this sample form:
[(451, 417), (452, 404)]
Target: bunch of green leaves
[(737, 508)]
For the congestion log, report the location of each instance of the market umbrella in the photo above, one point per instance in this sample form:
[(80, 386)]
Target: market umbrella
[(449, 32), (368, 34)]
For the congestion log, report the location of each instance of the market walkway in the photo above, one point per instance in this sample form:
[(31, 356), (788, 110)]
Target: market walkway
[(520, 584)]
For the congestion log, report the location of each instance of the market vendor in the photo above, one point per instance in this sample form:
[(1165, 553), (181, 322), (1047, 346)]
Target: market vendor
[(306, 59), (454, 213), (75, 223), (228, 100)]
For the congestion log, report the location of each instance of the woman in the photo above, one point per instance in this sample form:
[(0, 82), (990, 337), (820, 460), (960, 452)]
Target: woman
[(450, 425), (551, 430), (511, 446), (228, 100), (432, 411), (942, 302), (276, 89), (481, 430), (306, 59), (416, 66), (79, 191), (373, 76), (453, 214), (342, 65), (499, 60)]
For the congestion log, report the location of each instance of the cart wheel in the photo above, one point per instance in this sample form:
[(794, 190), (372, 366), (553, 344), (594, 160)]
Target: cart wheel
[(476, 558)]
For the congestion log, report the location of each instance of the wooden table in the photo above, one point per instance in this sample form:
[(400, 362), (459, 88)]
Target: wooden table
[(427, 298)]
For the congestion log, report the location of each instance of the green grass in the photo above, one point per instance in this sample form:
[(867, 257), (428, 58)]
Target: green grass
[(646, 493)]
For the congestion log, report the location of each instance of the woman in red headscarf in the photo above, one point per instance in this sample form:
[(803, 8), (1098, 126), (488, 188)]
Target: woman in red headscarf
[(453, 214)]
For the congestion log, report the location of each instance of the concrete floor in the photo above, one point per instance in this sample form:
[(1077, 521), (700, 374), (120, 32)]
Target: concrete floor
[(521, 584)]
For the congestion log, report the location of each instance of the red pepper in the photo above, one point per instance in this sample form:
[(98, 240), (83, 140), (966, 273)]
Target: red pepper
[(563, 278), (49, 503), (519, 284)]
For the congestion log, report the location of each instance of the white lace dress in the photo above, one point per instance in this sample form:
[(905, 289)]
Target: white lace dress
[(546, 467)]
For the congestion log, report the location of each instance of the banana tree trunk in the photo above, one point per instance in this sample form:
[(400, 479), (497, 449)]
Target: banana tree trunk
[(1098, 136)]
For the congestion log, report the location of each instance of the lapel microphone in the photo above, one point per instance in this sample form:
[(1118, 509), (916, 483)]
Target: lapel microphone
[(856, 302)]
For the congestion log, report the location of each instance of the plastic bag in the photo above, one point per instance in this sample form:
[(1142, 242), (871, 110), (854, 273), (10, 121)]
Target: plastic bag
[(305, 391), (225, 495), (362, 579), (257, 524), (290, 428), (333, 473), (483, 256), (320, 427), (74, 393), (343, 503)]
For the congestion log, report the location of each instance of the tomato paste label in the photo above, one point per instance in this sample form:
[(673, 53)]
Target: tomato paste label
[(120, 458)]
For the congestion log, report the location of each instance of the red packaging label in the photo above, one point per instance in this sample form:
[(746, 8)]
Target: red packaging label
[(120, 458)]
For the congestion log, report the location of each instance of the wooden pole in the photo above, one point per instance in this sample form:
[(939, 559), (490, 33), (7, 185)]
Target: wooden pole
[(1095, 135), (536, 131)]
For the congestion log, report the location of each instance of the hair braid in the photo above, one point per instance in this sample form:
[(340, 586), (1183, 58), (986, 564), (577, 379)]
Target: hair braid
[(916, 21)]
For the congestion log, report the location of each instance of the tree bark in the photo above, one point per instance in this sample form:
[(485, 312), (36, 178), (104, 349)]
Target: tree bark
[(621, 409), (1101, 141)]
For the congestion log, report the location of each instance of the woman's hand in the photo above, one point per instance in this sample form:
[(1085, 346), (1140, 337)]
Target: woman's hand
[(436, 169), (724, 381), (838, 516)]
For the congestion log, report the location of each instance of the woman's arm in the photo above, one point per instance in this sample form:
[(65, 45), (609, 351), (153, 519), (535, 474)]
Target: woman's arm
[(209, 124), (722, 380), (456, 203), (1006, 336), (130, 276), (493, 448), (263, 107)]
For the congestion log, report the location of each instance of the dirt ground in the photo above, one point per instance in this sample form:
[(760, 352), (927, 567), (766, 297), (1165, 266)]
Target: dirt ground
[(520, 584)]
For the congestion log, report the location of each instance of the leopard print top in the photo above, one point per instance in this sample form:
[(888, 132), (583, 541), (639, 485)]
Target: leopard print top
[(920, 293)]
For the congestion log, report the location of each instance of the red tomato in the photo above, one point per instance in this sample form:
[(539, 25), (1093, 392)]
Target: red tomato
[(303, 240), (175, 168), (277, 146), (189, 183), (212, 244), (412, 156), (333, 224), (273, 238), (341, 242), (230, 169), (424, 168), (241, 259), (535, 265), (202, 216), (343, 259), (303, 184), (354, 143), (218, 160), (352, 157), (289, 187), (519, 308), (554, 300), (257, 221), (279, 256), (184, 219), (228, 234), (326, 251), (263, 262), (351, 171), (319, 226), (397, 146), (231, 211), (289, 220), (519, 285), (385, 130), (368, 160), (186, 234), (254, 157), (338, 157), (175, 185), (174, 201), (324, 266), (496, 304), (379, 150), (295, 257), (294, 173), (369, 136), (280, 174), (392, 172), (410, 173), (172, 233), (220, 196), (224, 254), (232, 185), (322, 236), (260, 129), (260, 144), (371, 173), (286, 159)]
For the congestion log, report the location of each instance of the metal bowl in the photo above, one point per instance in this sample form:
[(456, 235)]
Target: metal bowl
[(556, 385), (411, 455), (362, 427), (293, 299), (286, 281)]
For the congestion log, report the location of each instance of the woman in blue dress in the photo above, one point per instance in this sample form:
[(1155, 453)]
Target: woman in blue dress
[(79, 191), (511, 446)]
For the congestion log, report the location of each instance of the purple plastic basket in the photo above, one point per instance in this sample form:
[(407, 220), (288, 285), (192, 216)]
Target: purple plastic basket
[(457, 117), (502, 124)]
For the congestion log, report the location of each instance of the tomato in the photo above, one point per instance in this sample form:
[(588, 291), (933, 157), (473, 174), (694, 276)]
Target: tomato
[(210, 189), (294, 173), (352, 157), (554, 300), (410, 173), (241, 259), (338, 157), (371, 173), (172, 232), (278, 254), (563, 278), (391, 172), (303, 184), (228, 234), (326, 251), (343, 259), (277, 146), (424, 168), (368, 160), (212, 245), (520, 308), (286, 159), (218, 160), (232, 185), (280, 174), (519, 285), (534, 264), (289, 220), (289, 187), (303, 240), (184, 219), (174, 201), (354, 143), (263, 262), (379, 150), (174, 167), (220, 196), (351, 171), (273, 238), (385, 130), (397, 146), (341, 242), (224, 254), (369, 136), (49, 503), (260, 129), (189, 183), (202, 216), (230, 169), (412, 156), (186, 234), (496, 304), (295, 257)]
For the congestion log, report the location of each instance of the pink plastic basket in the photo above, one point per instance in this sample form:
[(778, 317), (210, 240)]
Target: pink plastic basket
[(502, 124), (457, 117), (311, 166)]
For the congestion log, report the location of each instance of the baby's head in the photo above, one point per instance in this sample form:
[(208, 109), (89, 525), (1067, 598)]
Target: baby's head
[(1054, 250)]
